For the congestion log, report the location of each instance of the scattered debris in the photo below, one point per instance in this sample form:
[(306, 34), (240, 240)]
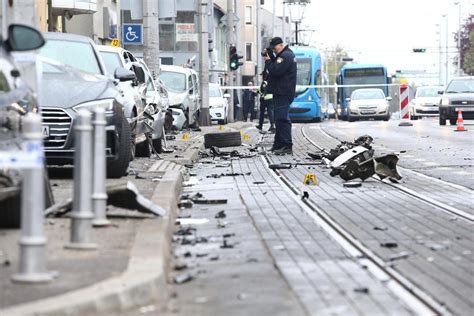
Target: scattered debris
[(305, 195), (437, 247), (279, 166), (127, 196), (259, 182), (200, 255), (210, 201), (279, 247), (221, 224), (234, 174), (389, 244), (183, 278), (192, 221), (352, 184), (226, 245), (399, 256), (220, 214), (380, 228), (214, 257), (364, 290), (180, 266), (185, 204)]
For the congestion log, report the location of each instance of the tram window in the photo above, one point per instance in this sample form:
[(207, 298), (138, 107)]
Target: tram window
[(318, 80)]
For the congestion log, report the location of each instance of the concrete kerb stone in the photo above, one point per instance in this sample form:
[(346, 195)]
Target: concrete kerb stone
[(144, 281)]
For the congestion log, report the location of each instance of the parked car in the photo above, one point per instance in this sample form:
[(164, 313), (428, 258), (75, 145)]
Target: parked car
[(459, 93), (426, 102), (16, 100), (368, 103), (135, 96), (74, 77), (183, 89), (218, 103)]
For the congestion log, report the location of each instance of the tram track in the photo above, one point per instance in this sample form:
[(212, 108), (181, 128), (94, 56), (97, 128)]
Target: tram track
[(417, 299), (421, 197)]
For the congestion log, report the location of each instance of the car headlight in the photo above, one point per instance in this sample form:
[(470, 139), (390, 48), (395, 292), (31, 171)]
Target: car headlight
[(106, 104), (445, 101)]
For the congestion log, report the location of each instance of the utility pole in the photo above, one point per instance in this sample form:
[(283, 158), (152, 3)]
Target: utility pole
[(440, 62), (204, 119), (4, 19), (274, 18), (151, 45), (259, 42), (237, 41), (459, 72), (229, 41), (283, 22)]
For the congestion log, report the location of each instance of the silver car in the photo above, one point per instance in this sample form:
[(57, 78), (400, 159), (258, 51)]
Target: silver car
[(368, 104)]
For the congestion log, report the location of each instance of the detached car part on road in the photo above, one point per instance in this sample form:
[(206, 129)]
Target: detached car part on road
[(458, 94), (75, 78), (16, 100)]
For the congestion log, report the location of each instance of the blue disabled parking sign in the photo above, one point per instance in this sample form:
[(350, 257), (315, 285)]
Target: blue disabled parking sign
[(132, 34)]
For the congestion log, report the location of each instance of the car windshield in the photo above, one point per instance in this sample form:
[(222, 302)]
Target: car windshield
[(174, 80), (78, 55), (214, 92), (111, 61), (461, 86), (427, 92), (367, 95)]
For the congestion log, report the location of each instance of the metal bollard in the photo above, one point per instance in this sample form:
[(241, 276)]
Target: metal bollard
[(99, 197), (32, 260), (81, 215)]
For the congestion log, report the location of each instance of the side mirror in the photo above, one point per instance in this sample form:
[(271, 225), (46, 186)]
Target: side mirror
[(348, 99), (226, 95), (388, 98), (440, 91), (191, 91), (24, 38), (123, 74)]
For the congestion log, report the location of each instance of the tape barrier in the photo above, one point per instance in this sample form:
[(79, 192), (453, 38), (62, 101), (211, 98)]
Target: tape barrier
[(319, 86)]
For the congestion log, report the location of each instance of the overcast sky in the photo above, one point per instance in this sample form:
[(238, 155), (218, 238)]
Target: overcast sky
[(385, 31)]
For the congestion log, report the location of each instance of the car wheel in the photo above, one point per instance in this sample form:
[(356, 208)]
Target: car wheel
[(453, 121), (223, 139), (442, 120), (221, 122), (117, 167), (350, 118), (158, 144), (387, 118)]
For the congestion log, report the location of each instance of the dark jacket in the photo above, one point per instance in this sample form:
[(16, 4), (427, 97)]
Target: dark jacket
[(249, 97), (282, 73)]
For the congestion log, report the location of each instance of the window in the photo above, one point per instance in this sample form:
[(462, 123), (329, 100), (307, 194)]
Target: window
[(111, 61), (248, 52), (248, 14)]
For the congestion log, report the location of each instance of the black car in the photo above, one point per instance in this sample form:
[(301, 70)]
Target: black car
[(459, 94), (16, 100), (73, 77)]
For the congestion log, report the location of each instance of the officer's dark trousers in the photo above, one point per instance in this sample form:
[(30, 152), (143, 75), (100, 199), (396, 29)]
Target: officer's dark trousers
[(281, 105), (268, 105)]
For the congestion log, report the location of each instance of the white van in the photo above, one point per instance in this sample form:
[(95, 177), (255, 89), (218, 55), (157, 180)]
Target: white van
[(183, 89)]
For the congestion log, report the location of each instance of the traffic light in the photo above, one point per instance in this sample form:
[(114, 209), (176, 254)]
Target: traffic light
[(419, 50), (234, 62)]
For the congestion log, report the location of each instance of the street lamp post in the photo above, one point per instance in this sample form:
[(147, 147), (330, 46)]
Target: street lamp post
[(446, 47), (459, 72), (440, 64)]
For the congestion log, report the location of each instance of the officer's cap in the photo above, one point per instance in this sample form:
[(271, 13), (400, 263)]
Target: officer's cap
[(275, 41)]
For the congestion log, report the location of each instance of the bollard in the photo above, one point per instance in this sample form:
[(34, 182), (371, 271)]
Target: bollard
[(99, 196), (81, 215), (32, 259)]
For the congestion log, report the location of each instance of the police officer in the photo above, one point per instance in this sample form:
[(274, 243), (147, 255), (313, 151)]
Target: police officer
[(282, 84)]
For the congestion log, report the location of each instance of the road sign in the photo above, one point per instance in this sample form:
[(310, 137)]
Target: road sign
[(115, 42), (132, 34)]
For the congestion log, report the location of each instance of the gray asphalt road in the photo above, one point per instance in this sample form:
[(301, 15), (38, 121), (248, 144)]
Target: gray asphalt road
[(431, 149)]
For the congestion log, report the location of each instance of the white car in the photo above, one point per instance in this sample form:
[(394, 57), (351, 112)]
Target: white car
[(426, 102), (368, 103), (218, 104), (183, 90)]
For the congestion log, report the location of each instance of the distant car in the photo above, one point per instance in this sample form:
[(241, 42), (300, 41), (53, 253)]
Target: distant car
[(218, 103), (459, 94), (368, 103), (331, 111), (425, 102), (75, 79), (183, 89)]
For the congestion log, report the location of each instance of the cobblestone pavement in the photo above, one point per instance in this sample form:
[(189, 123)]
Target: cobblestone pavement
[(276, 246), (430, 248)]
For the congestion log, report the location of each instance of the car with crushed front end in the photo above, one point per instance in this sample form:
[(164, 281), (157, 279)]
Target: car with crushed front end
[(74, 77), (368, 104), (458, 96)]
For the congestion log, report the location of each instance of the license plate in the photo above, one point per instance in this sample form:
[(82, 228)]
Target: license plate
[(45, 130), (367, 112)]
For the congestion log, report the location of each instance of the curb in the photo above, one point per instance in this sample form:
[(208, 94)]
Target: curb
[(144, 281)]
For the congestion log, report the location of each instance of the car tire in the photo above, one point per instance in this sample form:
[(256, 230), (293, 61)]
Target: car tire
[(223, 139), (350, 119), (10, 216), (453, 121), (442, 121), (118, 167), (387, 118)]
